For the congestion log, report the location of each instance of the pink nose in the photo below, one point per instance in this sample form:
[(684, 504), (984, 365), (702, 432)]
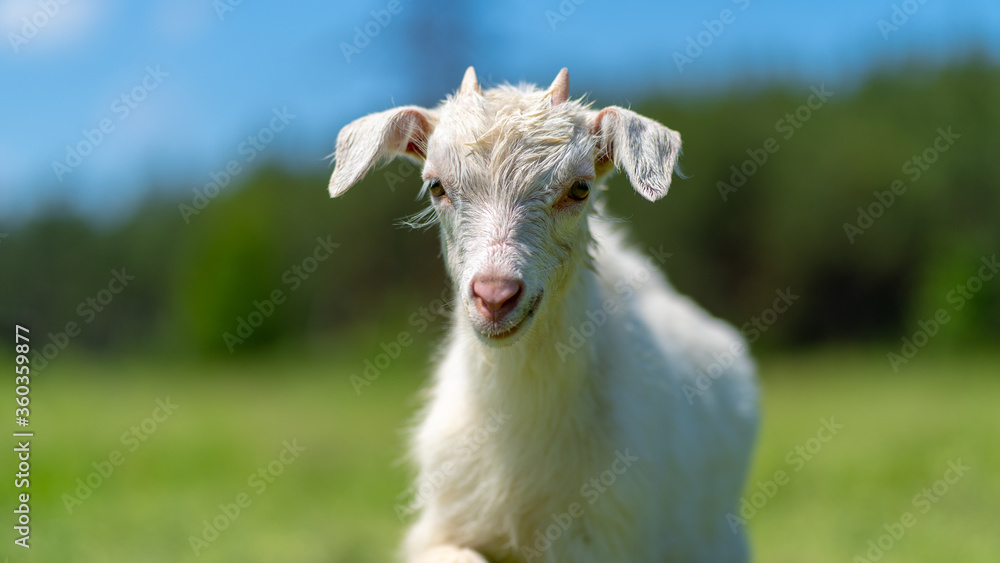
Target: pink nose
[(496, 297)]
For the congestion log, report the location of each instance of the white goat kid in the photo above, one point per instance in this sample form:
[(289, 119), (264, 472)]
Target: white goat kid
[(585, 368)]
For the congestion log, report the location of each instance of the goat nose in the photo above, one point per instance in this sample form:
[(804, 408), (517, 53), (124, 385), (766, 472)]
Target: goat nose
[(496, 297)]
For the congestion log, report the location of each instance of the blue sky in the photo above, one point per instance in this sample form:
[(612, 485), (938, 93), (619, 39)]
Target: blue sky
[(221, 69)]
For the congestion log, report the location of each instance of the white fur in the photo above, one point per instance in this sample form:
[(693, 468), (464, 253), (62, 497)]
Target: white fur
[(581, 396)]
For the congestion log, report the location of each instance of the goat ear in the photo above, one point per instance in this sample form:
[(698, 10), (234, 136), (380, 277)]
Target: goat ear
[(365, 142), (644, 149)]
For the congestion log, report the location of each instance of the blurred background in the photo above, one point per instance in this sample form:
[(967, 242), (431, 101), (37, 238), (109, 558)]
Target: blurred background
[(166, 234)]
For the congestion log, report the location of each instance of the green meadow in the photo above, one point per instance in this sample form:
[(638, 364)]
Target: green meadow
[(815, 495)]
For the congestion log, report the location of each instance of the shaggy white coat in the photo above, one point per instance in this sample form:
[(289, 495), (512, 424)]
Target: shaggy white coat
[(574, 430)]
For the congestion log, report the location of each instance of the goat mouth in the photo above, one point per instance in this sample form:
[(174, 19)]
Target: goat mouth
[(507, 333)]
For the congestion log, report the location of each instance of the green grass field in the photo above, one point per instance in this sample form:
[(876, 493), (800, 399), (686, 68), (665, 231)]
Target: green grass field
[(335, 501)]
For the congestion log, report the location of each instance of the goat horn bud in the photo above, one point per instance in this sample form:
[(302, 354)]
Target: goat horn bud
[(470, 84), (560, 87)]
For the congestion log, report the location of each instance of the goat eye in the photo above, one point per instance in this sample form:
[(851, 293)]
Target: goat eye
[(435, 187), (579, 190)]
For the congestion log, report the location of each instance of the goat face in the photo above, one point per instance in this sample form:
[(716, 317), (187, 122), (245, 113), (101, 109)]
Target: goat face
[(509, 174)]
